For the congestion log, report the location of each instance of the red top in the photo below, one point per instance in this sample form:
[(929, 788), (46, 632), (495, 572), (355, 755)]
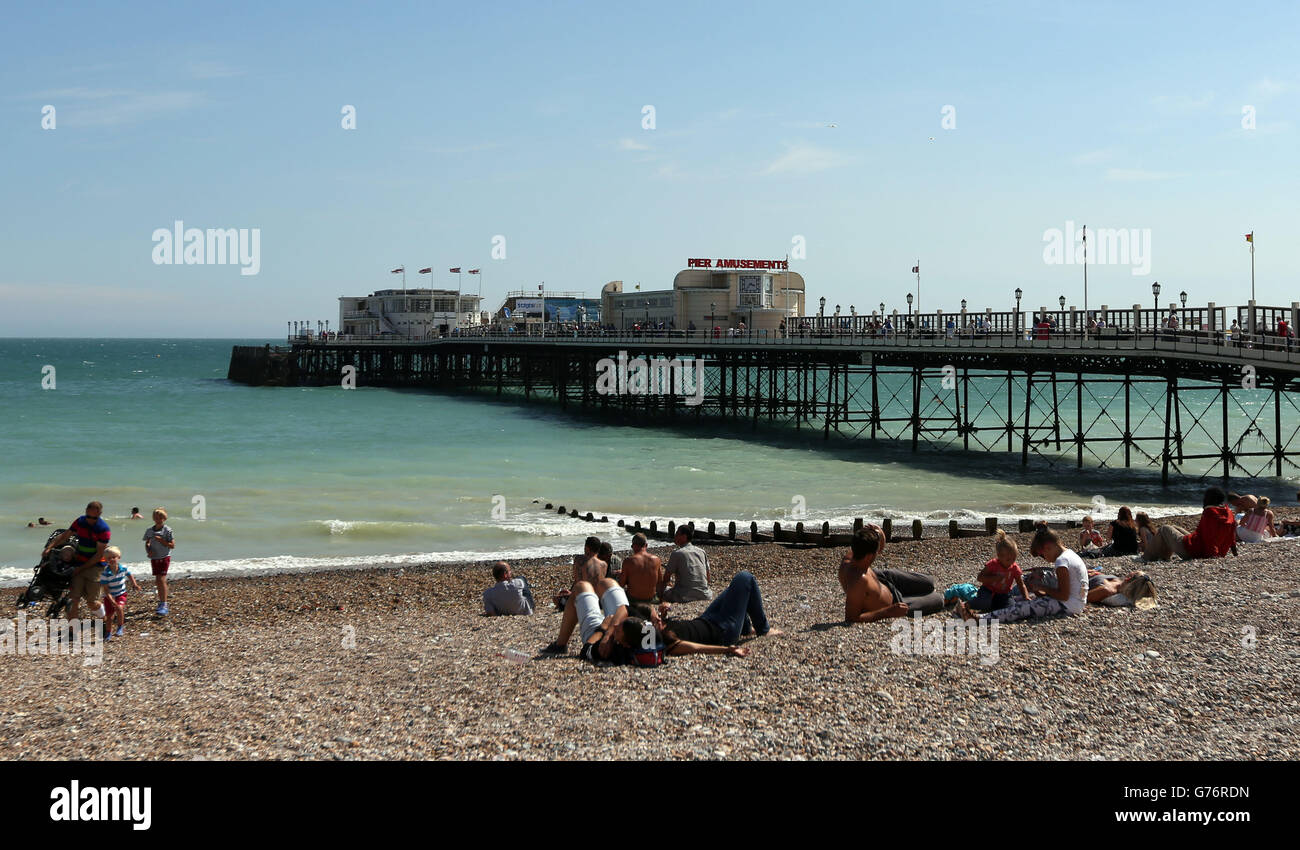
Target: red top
[(1214, 534), (1044, 330), (1001, 578)]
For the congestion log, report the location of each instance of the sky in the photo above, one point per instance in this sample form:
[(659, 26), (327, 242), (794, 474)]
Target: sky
[(856, 137)]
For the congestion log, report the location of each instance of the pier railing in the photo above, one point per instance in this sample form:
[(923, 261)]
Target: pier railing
[(1242, 346)]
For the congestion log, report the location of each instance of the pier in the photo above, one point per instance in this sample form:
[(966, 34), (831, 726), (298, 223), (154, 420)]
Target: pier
[(1190, 400)]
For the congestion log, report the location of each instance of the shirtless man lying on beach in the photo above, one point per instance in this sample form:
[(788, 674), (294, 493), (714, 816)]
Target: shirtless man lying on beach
[(872, 593), (642, 572)]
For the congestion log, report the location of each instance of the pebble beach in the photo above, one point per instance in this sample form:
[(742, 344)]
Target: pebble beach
[(392, 664)]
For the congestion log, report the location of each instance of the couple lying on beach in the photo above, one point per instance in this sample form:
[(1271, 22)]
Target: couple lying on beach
[(618, 622)]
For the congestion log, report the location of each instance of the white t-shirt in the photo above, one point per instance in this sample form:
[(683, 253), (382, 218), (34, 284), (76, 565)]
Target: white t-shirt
[(1070, 559)]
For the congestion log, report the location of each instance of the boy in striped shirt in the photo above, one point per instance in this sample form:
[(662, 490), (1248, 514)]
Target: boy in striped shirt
[(114, 578)]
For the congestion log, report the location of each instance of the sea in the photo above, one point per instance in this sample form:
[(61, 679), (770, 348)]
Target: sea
[(258, 479)]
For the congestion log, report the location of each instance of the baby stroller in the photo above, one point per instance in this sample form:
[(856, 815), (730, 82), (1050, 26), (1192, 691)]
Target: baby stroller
[(51, 580)]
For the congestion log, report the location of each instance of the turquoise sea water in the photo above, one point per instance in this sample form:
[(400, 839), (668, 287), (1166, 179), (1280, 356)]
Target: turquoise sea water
[(322, 476)]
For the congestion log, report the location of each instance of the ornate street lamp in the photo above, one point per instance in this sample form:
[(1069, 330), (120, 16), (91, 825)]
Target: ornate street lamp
[(822, 311), (1061, 301), (1182, 296), (1155, 293)]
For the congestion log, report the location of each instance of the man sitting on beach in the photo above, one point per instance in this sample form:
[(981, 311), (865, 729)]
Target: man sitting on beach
[(509, 595), (1215, 536), (614, 562), (642, 572), (687, 576), (590, 552), (872, 593), (586, 567)]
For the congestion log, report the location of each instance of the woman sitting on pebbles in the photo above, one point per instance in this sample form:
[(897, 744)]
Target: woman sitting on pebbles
[(1148, 531), (1257, 523), (1123, 537)]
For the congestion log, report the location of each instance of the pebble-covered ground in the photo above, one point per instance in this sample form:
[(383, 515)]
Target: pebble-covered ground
[(400, 664)]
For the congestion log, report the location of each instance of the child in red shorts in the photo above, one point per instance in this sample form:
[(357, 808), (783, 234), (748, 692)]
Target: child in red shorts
[(113, 579), (158, 545)]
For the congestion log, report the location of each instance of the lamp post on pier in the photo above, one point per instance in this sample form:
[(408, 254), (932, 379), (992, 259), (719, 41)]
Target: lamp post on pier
[(1019, 294)]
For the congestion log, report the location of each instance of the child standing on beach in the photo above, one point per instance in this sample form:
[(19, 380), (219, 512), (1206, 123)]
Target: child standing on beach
[(158, 545), (998, 576), (114, 578)]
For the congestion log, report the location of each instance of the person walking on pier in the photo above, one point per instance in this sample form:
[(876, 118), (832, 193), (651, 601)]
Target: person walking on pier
[(873, 593)]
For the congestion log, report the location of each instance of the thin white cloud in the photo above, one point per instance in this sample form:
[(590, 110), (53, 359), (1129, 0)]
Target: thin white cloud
[(1183, 102), (1094, 157), (1268, 88), (627, 144), (86, 107), (212, 71), (1133, 175), (805, 159)]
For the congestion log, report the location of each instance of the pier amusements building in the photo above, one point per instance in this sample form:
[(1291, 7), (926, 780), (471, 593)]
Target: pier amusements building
[(713, 292)]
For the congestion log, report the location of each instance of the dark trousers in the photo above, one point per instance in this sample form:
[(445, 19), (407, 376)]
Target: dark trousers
[(737, 608), (987, 600), (915, 589)]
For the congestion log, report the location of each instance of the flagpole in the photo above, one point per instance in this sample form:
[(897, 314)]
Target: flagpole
[(1085, 283), (458, 291), (1252, 265), (918, 290)]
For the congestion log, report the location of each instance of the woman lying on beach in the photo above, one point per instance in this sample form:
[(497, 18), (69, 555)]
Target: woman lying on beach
[(735, 612), (1123, 537), (1067, 597)]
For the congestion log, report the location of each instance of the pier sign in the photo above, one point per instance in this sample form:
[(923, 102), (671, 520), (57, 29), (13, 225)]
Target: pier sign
[(705, 263)]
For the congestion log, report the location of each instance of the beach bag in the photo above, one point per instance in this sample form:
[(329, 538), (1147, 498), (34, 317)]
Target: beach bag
[(1140, 590)]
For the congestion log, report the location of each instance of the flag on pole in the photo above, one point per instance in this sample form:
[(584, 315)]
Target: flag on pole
[(472, 271), (1250, 237), (916, 269), (398, 270), (427, 271), (455, 270), (540, 287)]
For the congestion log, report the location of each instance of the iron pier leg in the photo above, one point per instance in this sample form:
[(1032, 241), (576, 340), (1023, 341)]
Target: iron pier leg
[(1029, 397), (1169, 400)]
